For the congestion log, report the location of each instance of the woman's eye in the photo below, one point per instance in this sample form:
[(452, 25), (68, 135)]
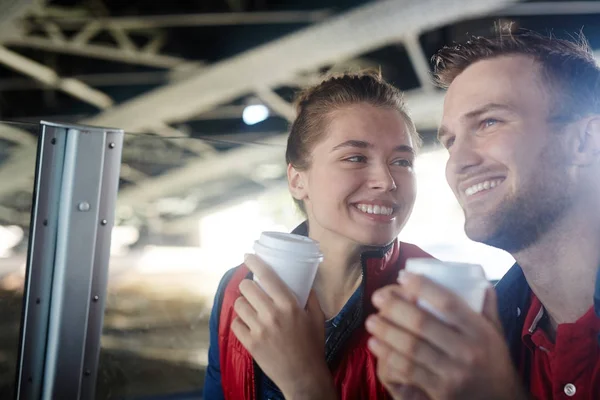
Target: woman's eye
[(356, 159)]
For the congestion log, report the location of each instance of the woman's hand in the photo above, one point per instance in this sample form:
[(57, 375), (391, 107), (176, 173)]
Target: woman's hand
[(286, 341)]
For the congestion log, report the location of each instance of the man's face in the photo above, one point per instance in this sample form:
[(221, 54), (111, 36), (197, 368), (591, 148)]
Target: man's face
[(507, 164)]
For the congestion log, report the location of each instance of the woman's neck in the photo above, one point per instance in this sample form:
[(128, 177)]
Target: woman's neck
[(339, 275)]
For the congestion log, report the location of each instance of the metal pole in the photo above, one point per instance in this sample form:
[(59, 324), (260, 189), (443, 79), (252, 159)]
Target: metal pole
[(77, 176)]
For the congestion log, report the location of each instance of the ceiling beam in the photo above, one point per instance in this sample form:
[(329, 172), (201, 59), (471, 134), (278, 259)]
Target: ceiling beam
[(276, 103), (369, 27), (99, 51), (43, 74), (419, 61), (11, 12), (549, 8), (205, 19), (14, 134)]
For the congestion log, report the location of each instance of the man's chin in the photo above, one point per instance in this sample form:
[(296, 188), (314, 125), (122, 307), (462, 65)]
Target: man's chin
[(478, 231)]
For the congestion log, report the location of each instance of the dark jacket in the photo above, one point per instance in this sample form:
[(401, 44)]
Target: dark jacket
[(513, 301)]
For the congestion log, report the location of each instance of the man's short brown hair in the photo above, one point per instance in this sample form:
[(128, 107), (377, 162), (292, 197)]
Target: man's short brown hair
[(567, 66)]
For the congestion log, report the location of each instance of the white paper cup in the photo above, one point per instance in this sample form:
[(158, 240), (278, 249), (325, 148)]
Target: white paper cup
[(294, 258), (468, 281)]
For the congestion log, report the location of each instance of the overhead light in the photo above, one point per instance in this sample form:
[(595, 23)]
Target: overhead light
[(255, 113)]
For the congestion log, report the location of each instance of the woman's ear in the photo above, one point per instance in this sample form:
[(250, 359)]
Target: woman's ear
[(296, 183), (588, 142)]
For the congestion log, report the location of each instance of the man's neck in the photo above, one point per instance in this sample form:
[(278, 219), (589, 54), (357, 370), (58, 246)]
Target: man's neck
[(561, 268)]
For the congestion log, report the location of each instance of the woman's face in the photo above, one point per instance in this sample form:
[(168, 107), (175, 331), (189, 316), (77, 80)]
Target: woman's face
[(360, 186)]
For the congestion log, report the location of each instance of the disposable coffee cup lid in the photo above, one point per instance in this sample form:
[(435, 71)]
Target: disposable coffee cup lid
[(445, 269), (288, 243)]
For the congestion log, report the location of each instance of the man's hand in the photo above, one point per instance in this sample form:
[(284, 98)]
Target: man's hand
[(464, 357), (286, 341)]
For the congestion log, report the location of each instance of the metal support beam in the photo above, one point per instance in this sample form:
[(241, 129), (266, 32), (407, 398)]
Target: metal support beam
[(47, 76), (98, 51), (549, 8), (195, 145), (419, 61), (371, 26), (16, 135), (86, 33), (123, 40), (205, 19), (11, 12), (276, 103)]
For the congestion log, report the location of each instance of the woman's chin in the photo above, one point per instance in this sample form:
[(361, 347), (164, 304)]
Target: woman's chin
[(380, 241)]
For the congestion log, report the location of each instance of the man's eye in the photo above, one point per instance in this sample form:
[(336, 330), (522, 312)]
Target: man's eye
[(404, 163), (448, 143), (486, 123)]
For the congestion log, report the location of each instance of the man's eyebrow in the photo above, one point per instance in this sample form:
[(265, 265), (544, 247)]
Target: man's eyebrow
[(361, 144), (487, 107), (443, 131)]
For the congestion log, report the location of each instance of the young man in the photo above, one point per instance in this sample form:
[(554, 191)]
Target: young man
[(521, 123)]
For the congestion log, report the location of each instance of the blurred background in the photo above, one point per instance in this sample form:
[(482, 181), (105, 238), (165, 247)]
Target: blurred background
[(203, 89)]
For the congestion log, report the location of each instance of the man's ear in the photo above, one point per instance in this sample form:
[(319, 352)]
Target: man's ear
[(587, 142), (296, 183)]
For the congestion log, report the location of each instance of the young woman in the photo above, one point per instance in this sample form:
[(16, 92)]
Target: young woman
[(350, 158)]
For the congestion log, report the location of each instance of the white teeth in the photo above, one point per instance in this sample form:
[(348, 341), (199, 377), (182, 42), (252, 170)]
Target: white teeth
[(470, 191), (375, 209)]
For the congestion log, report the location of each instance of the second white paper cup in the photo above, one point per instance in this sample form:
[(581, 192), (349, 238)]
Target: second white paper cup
[(466, 280)]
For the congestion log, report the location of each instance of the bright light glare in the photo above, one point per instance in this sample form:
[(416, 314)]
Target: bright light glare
[(254, 114)]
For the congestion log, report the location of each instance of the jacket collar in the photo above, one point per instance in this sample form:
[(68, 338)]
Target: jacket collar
[(377, 252), (513, 298)]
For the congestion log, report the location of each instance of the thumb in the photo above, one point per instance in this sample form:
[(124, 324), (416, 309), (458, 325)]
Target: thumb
[(490, 308), (313, 308)]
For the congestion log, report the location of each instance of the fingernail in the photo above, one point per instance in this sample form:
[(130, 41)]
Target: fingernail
[(372, 343), (370, 324), (403, 277), (378, 298)]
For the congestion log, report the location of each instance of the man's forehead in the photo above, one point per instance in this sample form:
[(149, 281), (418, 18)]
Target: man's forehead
[(502, 81)]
